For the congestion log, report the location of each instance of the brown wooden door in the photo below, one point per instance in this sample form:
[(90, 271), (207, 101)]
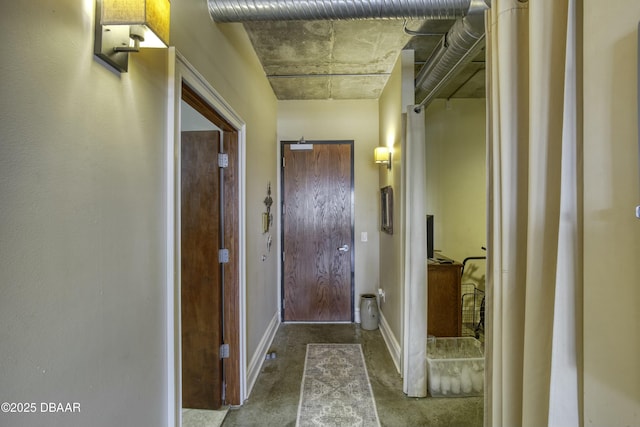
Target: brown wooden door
[(200, 271), (318, 232)]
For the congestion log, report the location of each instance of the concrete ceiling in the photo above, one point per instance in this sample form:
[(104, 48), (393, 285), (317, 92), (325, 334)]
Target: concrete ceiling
[(351, 59)]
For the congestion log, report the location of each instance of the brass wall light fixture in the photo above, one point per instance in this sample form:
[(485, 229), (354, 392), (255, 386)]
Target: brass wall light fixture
[(382, 155), (124, 26)]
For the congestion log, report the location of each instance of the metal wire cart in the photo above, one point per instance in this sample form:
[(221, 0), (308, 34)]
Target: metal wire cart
[(472, 301)]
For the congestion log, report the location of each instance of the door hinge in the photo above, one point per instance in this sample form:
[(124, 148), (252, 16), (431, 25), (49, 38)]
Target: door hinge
[(283, 256), (223, 256), (283, 162), (284, 208), (223, 160), (224, 351)]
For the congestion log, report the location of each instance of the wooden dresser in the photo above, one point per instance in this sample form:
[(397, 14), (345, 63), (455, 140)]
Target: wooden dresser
[(444, 305)]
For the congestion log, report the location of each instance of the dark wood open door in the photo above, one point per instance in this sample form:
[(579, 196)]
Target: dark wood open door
[(200, 271), (317, 232), (229, 205)]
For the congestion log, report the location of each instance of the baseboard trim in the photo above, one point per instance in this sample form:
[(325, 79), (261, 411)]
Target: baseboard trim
[(255, 365), (395, 350)]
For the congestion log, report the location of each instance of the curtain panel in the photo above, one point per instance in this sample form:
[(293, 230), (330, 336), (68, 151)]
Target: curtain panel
[(534, 223), (415, 259)]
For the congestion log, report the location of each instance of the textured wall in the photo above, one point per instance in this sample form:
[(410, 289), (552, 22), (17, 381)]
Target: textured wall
[(82, 287), (611, 231), (391, 261), (397, 94)]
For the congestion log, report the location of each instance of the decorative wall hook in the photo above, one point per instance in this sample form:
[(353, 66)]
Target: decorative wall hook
[(267, 217)]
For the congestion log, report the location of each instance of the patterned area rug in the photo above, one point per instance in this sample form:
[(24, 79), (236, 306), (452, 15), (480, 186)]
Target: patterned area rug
[(335, 388)]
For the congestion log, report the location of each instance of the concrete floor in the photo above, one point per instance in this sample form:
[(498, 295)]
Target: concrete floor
[(203, 417), (274, 399)]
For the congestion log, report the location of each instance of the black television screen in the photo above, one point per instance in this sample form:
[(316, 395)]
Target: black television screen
[(430, 236)]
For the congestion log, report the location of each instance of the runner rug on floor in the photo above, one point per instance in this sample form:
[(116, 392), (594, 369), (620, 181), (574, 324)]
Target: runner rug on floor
[(335, 388)]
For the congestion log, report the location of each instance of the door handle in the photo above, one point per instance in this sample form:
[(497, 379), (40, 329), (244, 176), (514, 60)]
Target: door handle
[(343, 248)]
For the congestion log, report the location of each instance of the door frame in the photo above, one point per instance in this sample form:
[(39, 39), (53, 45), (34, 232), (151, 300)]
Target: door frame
[(353, 219), (181, 71)]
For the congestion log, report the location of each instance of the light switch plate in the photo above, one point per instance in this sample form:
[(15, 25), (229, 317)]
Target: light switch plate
[(364, 236)]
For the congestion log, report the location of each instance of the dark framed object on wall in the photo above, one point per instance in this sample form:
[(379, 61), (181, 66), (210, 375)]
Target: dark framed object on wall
[(386, 209)]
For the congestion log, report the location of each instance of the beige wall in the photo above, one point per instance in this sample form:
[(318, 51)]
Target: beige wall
[(346, 120), (456, 179), (82, 292), (397, 94), (391, 245), (83, 229), (611, 231)]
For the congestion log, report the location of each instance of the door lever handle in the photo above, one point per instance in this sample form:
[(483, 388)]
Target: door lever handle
[(343, 248)]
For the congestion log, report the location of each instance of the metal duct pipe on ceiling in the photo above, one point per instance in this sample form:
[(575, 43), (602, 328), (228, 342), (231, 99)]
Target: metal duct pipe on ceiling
[(285, 10), (458, 46), (462, 42)]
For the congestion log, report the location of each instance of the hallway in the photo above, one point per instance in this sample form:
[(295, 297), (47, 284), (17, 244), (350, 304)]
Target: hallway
[(274, 399)]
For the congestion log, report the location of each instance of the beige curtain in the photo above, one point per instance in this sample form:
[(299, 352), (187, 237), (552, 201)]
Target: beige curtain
[(415, 255), (533, 322)]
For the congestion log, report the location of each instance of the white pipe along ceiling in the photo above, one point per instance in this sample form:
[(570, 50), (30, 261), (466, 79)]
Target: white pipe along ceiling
[(455, 49)]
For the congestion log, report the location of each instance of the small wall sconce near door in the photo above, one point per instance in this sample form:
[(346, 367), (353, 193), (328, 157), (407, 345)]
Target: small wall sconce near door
[(126, 26), (383, 155)]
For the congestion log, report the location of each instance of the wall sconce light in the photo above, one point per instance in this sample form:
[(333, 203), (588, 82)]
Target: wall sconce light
[(382, 155), (124, 26)]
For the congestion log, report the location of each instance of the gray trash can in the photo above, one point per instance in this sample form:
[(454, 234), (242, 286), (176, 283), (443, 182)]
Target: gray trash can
[(369, 315)]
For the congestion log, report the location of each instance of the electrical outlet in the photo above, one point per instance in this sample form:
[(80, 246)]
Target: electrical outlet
[(381, 294)]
